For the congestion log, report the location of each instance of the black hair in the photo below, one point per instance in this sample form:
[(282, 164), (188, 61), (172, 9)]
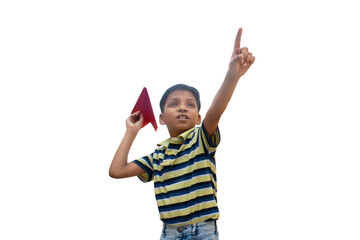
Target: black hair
[(184, 87)]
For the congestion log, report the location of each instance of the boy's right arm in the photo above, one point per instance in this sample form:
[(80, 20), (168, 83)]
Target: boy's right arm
[(119, 167)]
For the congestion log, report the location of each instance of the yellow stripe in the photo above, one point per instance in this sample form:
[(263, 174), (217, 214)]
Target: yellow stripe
[(183, 171), (183, 147), (185, 184), (187, 197), (183, 212), (159, 156), (144, 177)]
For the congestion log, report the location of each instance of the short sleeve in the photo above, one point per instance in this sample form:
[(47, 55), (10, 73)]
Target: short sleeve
[(210, 142), (146, 163)]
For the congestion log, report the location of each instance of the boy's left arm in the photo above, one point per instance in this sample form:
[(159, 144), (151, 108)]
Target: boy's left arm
[(241, 61)]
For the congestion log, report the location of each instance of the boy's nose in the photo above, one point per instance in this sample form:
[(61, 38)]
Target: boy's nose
[(182, 107)]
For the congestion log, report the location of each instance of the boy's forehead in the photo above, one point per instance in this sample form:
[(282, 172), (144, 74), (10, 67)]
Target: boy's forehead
[(181, 94)]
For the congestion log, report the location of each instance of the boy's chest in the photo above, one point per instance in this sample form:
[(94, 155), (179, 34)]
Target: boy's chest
[(173, 165), (177, 156)]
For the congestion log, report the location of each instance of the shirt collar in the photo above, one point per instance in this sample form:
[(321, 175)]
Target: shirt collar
[(181, 138)]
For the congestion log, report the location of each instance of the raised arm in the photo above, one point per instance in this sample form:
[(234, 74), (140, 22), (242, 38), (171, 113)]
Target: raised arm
[(119, 167), (241, 60)]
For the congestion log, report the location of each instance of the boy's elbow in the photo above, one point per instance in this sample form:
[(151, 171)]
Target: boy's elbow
[(114, 174), (124, 171)]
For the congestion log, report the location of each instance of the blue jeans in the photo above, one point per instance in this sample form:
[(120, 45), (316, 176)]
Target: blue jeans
[(197, 231)]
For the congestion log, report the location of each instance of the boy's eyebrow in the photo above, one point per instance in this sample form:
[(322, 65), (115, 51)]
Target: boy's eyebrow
[(174, 98)]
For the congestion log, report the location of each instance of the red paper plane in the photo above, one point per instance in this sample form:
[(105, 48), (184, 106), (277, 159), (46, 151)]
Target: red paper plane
[(143, 105)]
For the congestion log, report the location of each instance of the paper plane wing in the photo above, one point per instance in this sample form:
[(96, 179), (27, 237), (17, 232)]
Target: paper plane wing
[(143, 105)]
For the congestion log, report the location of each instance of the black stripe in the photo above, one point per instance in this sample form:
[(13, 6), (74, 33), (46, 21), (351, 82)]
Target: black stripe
[(148, 171), (214, 143), (174, 146), (184, 152), (185, 164), (182, 205), (197, 172), (191, 216), (187, 190)]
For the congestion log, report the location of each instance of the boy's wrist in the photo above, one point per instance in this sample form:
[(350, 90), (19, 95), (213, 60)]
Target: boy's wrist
[(232, 75), (131, 132)]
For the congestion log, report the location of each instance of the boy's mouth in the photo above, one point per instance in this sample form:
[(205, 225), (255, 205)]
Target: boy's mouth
[(182, 117)]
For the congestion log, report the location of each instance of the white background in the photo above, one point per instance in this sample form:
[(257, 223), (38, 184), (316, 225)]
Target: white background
[(71, 72)]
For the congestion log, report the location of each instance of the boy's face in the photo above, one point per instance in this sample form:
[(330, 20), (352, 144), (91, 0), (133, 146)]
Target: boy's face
[(180, 112)]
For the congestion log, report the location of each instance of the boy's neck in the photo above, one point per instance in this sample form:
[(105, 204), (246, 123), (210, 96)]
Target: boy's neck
[(177, 133)]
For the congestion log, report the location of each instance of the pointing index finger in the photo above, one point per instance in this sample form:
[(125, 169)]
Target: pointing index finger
[(238, 38)]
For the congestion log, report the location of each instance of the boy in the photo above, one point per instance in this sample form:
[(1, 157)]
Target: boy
[(183, 167)]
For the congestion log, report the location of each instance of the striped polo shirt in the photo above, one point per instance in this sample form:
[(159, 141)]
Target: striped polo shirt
[(184, 174)]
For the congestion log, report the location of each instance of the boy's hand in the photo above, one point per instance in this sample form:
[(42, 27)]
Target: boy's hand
[(135, 121), (120, 168), (241, 58)]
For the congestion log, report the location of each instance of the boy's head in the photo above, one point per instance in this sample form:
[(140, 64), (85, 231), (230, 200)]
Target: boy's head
[(182, 87), (180, 106)]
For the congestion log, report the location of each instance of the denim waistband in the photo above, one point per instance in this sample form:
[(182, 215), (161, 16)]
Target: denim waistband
[(191, 229)]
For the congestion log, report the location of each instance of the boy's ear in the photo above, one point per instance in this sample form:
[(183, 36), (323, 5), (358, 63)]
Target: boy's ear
[(161, 119), (199, 120)]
